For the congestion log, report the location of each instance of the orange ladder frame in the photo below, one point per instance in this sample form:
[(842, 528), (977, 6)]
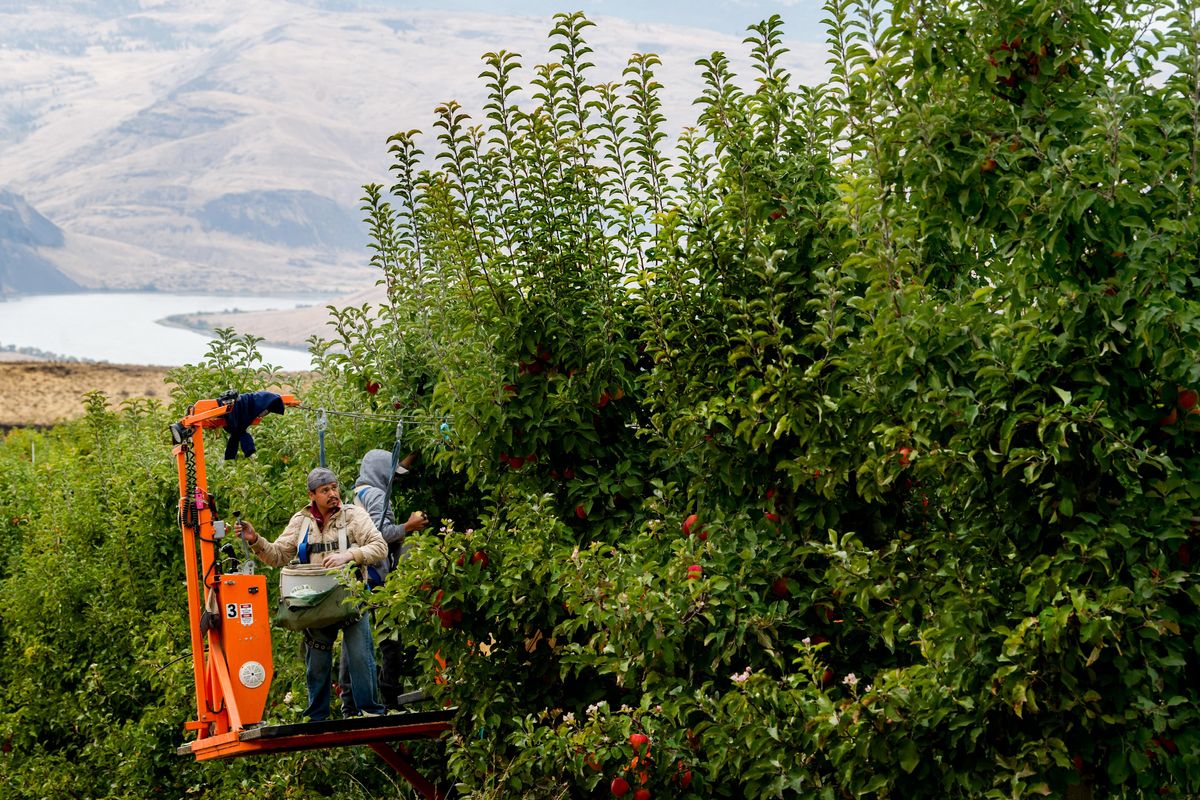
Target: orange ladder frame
[(232, 662)]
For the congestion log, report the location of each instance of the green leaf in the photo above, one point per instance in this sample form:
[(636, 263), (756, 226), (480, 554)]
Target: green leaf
[(1118, 768), (910, 756)]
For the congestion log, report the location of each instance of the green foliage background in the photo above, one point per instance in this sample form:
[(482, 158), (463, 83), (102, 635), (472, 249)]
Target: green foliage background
[(916, 347)]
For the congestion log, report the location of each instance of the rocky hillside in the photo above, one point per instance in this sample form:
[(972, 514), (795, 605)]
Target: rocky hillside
[(184, 146), (24, 233)]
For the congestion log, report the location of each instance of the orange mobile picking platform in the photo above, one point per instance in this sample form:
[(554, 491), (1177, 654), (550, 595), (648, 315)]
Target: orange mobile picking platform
[(231, 638)]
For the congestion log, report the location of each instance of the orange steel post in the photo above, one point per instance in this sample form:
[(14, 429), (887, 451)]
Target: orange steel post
[(210, 718), (233, 674), (415, 779)]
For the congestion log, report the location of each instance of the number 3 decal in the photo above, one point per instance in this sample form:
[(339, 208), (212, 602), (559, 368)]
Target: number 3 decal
[(231, 610)]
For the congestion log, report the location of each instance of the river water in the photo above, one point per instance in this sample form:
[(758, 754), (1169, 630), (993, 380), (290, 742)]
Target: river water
[(124, 327)]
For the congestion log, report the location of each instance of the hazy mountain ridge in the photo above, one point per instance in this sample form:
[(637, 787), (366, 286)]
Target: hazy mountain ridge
[(23, 233), (176, 146)]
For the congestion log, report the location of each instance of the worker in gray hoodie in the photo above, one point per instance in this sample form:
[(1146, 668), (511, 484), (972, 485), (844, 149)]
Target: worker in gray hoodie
[(370, 494)]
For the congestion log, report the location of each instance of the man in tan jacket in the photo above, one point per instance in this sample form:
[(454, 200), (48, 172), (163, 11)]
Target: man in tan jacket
[(314, 535)]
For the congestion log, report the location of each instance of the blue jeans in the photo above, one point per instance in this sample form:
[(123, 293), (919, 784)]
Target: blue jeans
[(359, 652), (394, 662)]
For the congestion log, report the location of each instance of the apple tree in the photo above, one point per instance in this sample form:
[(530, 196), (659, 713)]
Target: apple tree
[(841, 446)]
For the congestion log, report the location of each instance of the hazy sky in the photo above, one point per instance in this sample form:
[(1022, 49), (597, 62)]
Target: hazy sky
[(802, 18)]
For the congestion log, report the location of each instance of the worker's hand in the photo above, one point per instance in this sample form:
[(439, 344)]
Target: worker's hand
[(246, 531), (416, 521), (336, 559)]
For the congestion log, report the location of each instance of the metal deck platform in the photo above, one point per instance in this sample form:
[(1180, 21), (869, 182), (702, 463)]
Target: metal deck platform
[(316, 735), (375, 732)]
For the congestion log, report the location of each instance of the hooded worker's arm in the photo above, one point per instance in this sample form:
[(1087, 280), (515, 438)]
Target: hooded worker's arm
[(377, 506)]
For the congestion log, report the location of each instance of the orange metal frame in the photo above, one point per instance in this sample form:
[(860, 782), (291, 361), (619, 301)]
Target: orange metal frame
[(231, 645)]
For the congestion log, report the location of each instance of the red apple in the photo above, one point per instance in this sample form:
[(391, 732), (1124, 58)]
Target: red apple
[(619, 787), (695, 572), (685, 778), (373, 387), (581, 512), (591, 762), (688, 523), (780, 588), (603, 401), (480, 558), (637, 741), (642, 794), (827, 677), (771, 516), (904, 452), (1188, 398)]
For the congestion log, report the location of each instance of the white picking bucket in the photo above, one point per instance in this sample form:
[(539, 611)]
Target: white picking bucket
[(306, 579)]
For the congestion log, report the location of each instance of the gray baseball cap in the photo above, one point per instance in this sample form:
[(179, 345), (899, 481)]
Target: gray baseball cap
[(319, 477)]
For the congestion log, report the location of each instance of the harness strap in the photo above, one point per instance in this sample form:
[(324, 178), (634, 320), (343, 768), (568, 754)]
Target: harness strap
[(374, 579), (305, 551), (302, 550)]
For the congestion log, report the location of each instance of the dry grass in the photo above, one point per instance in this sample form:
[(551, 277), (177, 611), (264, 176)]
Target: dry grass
[(47, 392)]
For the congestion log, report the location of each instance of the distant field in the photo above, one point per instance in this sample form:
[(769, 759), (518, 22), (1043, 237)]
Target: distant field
[(44, 393), (47, 392)]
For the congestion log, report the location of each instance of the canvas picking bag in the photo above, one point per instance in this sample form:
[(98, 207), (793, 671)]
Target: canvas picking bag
[(311, 596)]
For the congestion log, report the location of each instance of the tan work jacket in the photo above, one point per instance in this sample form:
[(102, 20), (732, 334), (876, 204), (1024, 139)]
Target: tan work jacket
[(364, 541)]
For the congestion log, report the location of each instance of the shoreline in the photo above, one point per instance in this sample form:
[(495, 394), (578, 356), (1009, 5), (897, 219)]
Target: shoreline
[(174, 321), (159, 329)]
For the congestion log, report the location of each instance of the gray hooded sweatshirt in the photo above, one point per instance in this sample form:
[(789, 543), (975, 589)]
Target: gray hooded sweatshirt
[(368, 493)]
